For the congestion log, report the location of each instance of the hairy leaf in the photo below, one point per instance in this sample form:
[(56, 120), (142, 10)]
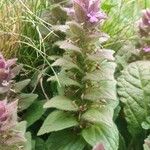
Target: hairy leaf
[(107, 135), (57, 120), (19, 86), (99, 115), (147, 143), (64, 80), (25, 100), (62, 103), (65, 140), (134, 91), (68, 46), (34, 113)]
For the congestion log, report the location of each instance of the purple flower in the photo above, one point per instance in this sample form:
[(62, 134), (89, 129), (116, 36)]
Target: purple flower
[(87, 11), (8, 115), (146, 49), (5, 69), (144, 23)]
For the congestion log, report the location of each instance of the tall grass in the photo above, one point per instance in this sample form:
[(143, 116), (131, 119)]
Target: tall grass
[(22, 25)]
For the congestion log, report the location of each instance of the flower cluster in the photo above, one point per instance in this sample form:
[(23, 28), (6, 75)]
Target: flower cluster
[(144, 29), (6, 72), (8, 121), (8, 116), (87, 11), (9, 135), (144, 23)]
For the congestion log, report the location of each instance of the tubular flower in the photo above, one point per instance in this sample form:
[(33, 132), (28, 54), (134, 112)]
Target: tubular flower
[(144, 23), (87, 11), (5, 68)]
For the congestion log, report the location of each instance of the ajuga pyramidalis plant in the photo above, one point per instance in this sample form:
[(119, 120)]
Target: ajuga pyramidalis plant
[(12, 101), (134, 89), (82, 115), (11, 138)]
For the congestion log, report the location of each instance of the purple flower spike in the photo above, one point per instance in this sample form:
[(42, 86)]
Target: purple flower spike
[(8, 115), (5, 69), (87, 11), (144, 23)]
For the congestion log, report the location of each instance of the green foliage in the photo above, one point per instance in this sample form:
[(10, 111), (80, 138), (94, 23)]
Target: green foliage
[(134, 92), (57, 120), (65, 140)]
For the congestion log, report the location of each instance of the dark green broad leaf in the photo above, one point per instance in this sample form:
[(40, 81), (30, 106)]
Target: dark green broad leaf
[(134, 92), (19, 86), (147, 143), (65, 140), (64, 80), (62, 103), (68, 46), (40, 144), (25, 100), (106, 135), (57, 120), (99, 115), (34, 113)]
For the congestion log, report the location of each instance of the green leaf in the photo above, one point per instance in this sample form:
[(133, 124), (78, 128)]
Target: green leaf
[(67, 46), (105, 92), (134, 91), (106, 72), (21, 127), (28, 144), (146, 123), (40, 144), (66, 63), (19, 86), (107, 135), (65, 140), (34, 113), (76, 29), (62, 103), (57, 120), (101, 55), (99, 115), (147, 143), (25, 100), (64, 80)]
